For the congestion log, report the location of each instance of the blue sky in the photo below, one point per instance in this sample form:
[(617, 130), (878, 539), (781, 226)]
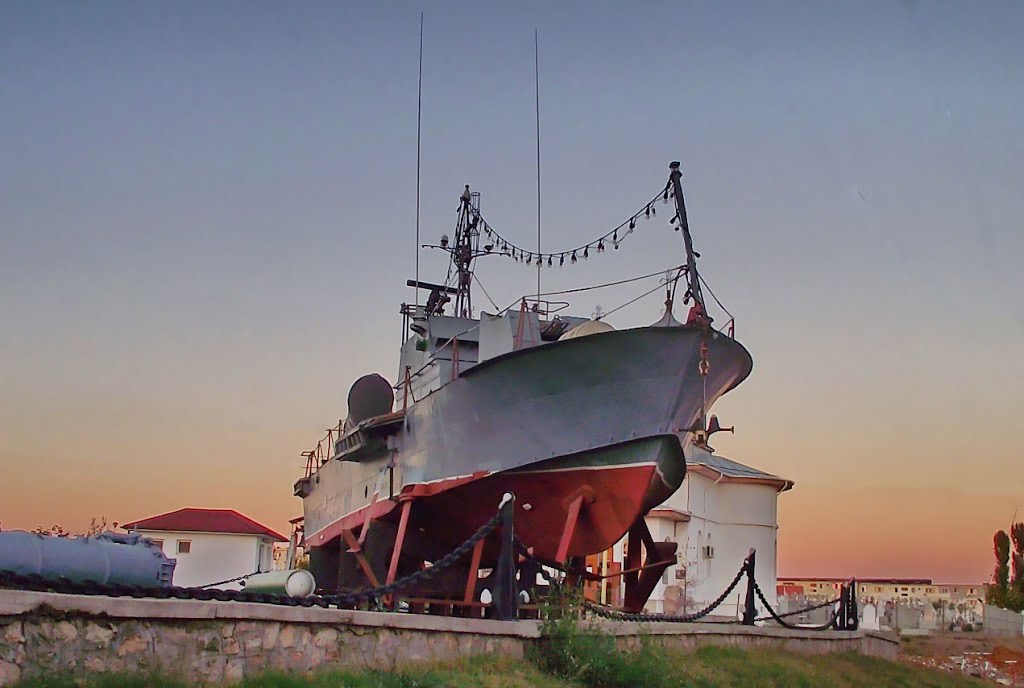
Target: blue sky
[(207, 215)]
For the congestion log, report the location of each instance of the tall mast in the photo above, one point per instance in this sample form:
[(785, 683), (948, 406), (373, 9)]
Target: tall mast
[(467, 240), (693, 280), (536, 83), (419, 120)]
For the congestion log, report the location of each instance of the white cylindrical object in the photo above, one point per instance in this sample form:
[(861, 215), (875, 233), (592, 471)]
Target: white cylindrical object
[(294, 583)]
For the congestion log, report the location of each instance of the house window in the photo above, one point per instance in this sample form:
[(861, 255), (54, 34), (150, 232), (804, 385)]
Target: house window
[(184, 546), (158, 542)]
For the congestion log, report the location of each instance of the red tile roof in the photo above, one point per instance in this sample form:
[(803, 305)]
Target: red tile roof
[(194, 520)]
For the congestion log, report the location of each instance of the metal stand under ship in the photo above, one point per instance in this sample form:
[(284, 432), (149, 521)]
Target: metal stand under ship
[(584, 424)]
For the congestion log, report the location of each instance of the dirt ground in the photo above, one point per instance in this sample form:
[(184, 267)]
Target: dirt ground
[(946, 644), (995, 659)]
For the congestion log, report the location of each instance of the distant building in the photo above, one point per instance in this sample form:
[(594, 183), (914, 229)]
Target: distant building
[(885, 589), (210, 545), (723, 509), (939, 604)]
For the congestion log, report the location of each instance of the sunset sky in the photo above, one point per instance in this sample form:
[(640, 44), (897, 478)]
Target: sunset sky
[(207, 220)]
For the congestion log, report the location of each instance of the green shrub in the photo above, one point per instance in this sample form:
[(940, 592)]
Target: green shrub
[(590, 657)]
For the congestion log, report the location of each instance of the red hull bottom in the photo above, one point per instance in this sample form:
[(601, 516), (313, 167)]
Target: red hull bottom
[(614, 498)]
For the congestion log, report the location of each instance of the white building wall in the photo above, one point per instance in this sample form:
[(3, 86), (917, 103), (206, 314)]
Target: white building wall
[(214, 557), (732, 518)]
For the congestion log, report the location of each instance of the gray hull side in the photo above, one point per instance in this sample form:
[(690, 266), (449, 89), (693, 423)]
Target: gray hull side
[(566, 397)]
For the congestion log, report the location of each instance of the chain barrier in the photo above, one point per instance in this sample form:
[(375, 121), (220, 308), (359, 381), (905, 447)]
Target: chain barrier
[(798, 612), (843, 617), (37, 583), (813, 607), (616, 615), (355, 597), (525, 552), (607, 613), (830, 624), (230, 580)]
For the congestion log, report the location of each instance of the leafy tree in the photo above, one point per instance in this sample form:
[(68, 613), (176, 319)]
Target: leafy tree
[(1017, 535), (96, 526), (996, 593), (1015, 601), (1006, 592)]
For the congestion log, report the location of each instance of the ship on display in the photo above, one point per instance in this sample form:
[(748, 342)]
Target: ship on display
[(587, 426)]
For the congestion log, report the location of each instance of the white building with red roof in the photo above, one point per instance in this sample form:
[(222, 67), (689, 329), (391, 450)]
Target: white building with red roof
[(210, 545), (723, 509)]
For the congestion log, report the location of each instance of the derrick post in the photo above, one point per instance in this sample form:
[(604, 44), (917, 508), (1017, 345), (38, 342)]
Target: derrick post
[(355, 549), (693, 280), (396, 553), (631, 581), (570, 526), (474, 570), (749, 610)]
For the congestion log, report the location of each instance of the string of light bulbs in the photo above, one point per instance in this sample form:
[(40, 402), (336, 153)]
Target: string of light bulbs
[(502, 246)]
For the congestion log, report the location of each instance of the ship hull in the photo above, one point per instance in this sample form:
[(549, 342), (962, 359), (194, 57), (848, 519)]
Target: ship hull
[(604, 411), (617, 485), (562, 398)]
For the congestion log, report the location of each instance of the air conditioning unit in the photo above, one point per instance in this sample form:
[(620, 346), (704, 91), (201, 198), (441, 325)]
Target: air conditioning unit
[(708, 551)]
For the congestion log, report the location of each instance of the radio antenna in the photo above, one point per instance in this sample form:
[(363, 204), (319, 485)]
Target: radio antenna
[(536, 81), (419, 118)]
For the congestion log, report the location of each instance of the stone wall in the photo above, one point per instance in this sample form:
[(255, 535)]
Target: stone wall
[(1002, 623), (215, 642)]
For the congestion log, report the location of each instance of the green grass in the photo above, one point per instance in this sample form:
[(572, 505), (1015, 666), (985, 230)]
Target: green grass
[(651, 667)]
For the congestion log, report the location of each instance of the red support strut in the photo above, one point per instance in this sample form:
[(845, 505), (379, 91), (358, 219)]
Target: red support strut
[(403, 522)]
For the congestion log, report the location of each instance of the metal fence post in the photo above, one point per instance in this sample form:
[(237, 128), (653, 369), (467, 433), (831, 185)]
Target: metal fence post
[(853, 614), (505, 596), (749, 612), (839, 619)]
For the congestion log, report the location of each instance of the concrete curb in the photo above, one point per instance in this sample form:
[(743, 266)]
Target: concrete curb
[(222, 642), (22, 602)]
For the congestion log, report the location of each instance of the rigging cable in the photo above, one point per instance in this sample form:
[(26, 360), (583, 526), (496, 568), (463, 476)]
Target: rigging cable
[(484, 290), (614, 284), (632, 301), (720, 305), (506, 247)]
